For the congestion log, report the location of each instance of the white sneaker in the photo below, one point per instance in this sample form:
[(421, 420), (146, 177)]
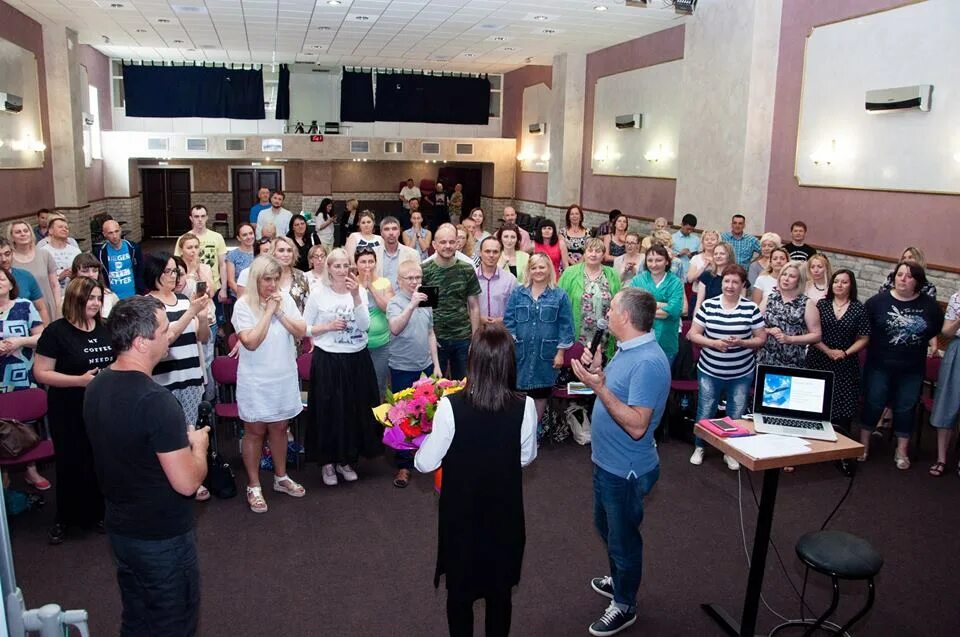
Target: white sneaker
[(347, 472), (732, 464), (697, 457), (329, 475)]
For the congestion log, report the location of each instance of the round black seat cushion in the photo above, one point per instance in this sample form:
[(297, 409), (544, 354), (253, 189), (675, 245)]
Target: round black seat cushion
[(839, 554)]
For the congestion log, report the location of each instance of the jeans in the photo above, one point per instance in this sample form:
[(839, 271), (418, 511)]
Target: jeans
[(737, 390), (453, 358), (159, 585), (379, 357), (899, 389), (617, 514), (460, 613)]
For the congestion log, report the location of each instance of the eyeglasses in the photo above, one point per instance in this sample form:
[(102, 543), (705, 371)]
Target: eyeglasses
[(172, 271), (412, 278), (362, 251)]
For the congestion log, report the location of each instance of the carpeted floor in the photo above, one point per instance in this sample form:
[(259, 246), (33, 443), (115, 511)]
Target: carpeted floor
[(357, 560)]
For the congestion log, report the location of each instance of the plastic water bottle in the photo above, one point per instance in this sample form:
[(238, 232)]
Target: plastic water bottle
[(684, 402)]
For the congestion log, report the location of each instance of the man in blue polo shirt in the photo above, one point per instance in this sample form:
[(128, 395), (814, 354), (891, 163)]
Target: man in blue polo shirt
[(632, 394)]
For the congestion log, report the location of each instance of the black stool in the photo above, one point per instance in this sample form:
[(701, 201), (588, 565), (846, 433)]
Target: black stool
[(841, 556)]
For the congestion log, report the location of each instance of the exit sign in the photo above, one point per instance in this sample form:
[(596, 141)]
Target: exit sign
[(316, 138)]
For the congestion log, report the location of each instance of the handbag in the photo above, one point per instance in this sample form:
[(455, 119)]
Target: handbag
[(578, 419), (16, 438), (220, 480)]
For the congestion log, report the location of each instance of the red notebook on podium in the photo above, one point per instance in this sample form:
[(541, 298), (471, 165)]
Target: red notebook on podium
[(724, 427)]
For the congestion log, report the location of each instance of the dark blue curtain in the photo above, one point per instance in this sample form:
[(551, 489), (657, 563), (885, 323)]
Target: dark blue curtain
[(283, 93), (193, 91), (435, 99), (356, 96)]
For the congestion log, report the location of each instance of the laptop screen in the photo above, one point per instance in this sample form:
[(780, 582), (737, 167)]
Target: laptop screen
[(794, 393), (788, 391)]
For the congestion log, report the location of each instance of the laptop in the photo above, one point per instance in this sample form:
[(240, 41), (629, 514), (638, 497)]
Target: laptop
[(793, 402)]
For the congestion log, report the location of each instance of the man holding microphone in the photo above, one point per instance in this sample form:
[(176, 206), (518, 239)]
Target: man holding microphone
[(631, 397)]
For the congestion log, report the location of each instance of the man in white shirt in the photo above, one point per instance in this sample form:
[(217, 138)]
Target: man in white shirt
[(213, 251), (61, 247), (407, 193), (392, 252), (510, 217), (275, 214)]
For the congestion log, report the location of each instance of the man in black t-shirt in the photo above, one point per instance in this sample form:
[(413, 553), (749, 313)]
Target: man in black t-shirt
[(149, 466), (799, 251)]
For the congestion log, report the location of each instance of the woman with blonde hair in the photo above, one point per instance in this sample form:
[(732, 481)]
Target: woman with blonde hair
[(703, 259), (364, 237), (768, 241), (292, 280), (818, 274), (269, 326), (767, 281), (343, 384), (317, 259), (39, 263), (910, 254), (710, 282), (540, 318), (465, 239)]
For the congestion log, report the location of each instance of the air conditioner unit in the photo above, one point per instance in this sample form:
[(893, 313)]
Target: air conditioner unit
[(88, 119), (10, 103), (900, 98), (630, 121), (538, 128)]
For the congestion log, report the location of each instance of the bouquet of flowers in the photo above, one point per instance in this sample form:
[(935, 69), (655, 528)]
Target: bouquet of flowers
[(407, 415)]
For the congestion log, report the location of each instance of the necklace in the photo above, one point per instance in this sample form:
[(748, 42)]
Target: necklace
[(818, 288)]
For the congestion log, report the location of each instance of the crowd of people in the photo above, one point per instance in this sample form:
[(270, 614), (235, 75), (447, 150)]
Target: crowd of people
[(381, 302)]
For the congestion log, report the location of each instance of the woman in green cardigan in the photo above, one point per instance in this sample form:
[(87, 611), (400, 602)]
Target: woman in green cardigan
[(667, 290), (590, 286)]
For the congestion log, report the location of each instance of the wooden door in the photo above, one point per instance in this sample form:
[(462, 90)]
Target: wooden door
[(246, 182), (166, 201)]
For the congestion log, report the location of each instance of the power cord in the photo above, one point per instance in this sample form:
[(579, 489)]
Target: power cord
[(801, 594)]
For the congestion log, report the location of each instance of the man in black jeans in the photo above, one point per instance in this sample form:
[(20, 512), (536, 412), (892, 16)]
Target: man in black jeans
[(149, 466)]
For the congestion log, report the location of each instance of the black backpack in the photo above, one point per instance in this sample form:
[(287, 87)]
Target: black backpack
[(220, 480)]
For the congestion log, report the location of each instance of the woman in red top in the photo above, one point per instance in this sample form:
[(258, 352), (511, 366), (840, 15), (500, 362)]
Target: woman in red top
[(547, 240)]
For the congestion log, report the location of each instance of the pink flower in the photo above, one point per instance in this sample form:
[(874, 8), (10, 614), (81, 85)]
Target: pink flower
[(397, 412)]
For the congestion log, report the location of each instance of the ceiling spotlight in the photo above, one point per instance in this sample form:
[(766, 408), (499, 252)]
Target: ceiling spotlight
[(548, 31), (116, 5), (600, 7), (684, 7), (334, 3), (323, 28), (141, 30), (469, 55), (638, 3), (499, 38), (540, 18), (163, 20), (178, 41), (509, 48)]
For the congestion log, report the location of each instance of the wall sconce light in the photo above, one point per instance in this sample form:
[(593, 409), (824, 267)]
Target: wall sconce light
[(825, 156), (602, 155), (27, 146), (545, 157), (658, 154)]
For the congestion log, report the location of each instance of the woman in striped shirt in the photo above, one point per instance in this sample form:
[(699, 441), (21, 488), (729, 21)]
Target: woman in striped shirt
[(728, 328), (181, 370)]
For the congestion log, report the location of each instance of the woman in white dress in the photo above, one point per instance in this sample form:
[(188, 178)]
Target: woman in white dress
[(268, 325)]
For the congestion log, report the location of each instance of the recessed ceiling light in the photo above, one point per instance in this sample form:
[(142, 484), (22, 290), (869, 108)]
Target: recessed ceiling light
[(469, 55), (540, 18), (319, 46), (509, 48), (599, 7), (548, 31), (178, 41), (141, 30), (323, 28), (334, 3), (163, 20), (116, 5), (361, 18), (499, 38)]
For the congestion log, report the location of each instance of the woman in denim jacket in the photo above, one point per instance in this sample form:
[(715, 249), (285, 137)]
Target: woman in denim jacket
[(540, 319)]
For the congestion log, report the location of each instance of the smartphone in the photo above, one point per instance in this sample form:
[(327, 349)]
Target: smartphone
[(354, 271), (433, 295), (722, 425), (201, 287)]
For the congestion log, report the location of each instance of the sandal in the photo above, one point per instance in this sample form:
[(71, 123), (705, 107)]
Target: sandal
[(40, 485), (937, 469), (255, 500), (288, 486), (402, 479), (202, 495)]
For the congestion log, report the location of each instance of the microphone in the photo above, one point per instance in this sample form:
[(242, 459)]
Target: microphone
[(598, 337)]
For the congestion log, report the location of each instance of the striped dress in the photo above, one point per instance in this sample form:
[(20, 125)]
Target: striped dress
[(181, 371), (719, 322)]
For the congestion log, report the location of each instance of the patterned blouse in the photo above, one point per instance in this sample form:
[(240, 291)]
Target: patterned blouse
[(299, 288), (789, 317), (593, 306), (575, 245)]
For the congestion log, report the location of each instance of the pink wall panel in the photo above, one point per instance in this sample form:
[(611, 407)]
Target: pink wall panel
[(867, 221), (529, 186), (25, 191), (636, 196)]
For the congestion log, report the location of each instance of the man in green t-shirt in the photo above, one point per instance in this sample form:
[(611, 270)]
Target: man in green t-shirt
[(457, 314)]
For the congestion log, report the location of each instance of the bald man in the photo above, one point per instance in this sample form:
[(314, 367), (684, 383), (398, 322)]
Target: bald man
[(121, 260)]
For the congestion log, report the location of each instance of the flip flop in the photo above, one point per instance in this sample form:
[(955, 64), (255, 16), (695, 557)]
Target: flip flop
[(937, 469), (402, 479)]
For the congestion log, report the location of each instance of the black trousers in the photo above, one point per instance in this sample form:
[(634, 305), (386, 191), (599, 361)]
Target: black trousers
[(460, 613)]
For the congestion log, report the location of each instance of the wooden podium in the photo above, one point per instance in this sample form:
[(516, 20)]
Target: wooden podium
[(820, 451)]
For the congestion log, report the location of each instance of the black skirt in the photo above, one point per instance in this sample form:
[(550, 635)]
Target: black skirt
[(340, 422)]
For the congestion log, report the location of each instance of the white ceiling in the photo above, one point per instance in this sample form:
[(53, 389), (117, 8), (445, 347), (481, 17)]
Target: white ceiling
[(461, 35)]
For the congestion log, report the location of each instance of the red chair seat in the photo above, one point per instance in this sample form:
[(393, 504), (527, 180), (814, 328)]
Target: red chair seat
[(684, 385), (227, 410), (303, 366), (43, 451)]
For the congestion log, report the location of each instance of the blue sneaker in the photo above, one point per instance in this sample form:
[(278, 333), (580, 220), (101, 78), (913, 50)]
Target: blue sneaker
[(612, 622)]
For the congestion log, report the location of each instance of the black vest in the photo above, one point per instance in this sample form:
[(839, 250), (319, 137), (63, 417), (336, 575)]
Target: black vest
[(481, 536)]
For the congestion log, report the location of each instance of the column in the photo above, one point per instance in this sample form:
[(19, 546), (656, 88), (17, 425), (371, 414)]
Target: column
[(64, 106), (566, 129)]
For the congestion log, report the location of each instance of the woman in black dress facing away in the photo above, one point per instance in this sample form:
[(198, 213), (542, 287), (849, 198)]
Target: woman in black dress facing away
[(483, 435), (70, 352)]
